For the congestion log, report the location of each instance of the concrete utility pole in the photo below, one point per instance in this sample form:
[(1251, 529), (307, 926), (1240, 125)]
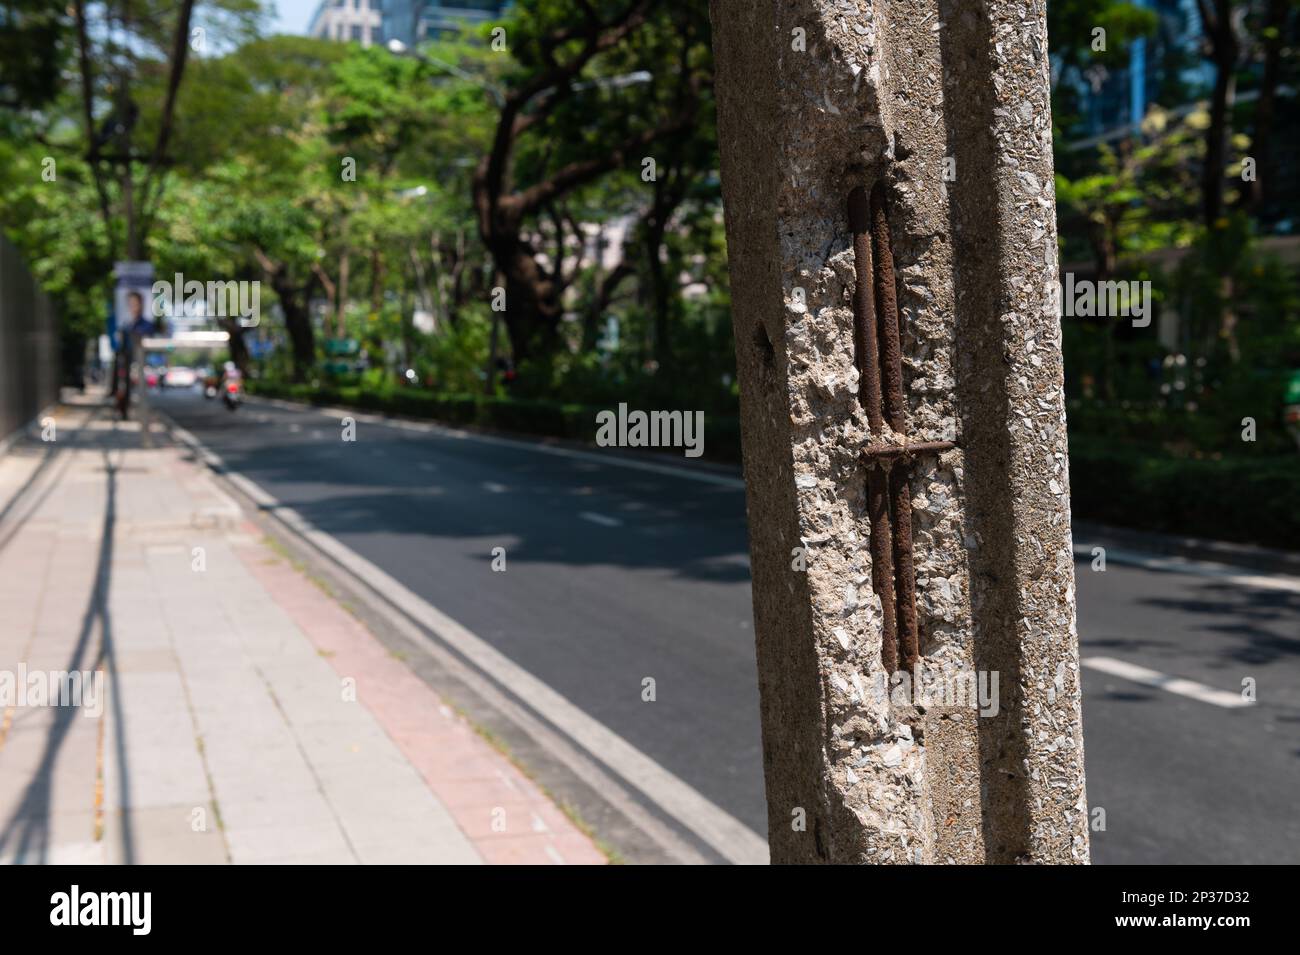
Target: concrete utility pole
[(891, 228)]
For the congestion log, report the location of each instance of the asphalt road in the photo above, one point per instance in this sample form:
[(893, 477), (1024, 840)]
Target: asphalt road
[(617, 574)]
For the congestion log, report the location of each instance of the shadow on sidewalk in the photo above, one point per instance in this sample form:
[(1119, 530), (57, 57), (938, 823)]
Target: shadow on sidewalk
[(25, 835)]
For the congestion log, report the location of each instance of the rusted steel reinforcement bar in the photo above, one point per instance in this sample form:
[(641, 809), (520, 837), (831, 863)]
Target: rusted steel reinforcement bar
[(900, 491), (907, 449), (891, 349), (867, 357), (909, 638), (866, 341), (882, 563)]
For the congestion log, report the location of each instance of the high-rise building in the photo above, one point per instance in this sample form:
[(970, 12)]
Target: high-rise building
[(1167, 68), (358, 21), (410, 22)]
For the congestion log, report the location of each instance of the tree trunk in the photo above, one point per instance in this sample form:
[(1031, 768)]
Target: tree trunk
[(376, 281), (659, 298), (1223, 46), (297, 321), (533, 309), (1224, 50), (238, 347), (457, 297), (1104, 245), (341, 315), (1255, 193)]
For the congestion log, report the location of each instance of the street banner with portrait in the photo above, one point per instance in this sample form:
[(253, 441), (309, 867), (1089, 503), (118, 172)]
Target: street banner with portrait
[(132, 299)]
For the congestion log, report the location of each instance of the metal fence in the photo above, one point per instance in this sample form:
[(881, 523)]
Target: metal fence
[(29, 344)]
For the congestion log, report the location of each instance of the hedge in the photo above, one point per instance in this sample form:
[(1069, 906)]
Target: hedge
[(1246, 499), (532, 416), (1253, 500)]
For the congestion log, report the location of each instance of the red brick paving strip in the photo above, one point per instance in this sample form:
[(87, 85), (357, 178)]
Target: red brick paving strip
[(477, 784)]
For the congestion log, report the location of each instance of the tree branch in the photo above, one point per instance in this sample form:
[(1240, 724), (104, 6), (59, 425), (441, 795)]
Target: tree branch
[(88, 113), (325, 281), (180, 51), (583, 171), (1207, 18), (512, 121), (269, 265)]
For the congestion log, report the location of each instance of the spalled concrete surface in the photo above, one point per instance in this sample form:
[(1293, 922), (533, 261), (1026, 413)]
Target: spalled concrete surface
[(947, 105)]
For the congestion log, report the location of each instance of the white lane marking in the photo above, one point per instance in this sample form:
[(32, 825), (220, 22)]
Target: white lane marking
[(731, 838), (1197, 568), (613, 460), (601, 519), (1161, 681)]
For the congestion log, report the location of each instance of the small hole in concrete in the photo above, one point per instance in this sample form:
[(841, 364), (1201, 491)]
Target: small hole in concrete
[(819, 840), (766, 353)]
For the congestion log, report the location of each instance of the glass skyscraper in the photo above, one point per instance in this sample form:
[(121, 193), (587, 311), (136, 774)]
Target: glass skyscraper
[(413, 21)]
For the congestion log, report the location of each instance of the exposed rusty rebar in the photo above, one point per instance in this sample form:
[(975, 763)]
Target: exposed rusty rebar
[(908, 449), (909, 634), (891, 349), (867, 358), (882, 563), (866, 342), (895, 402)]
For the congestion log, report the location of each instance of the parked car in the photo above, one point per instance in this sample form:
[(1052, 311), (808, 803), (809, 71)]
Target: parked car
[(180, 377)]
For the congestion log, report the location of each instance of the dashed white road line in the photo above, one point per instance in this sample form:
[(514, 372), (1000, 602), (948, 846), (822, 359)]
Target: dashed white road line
[(600, 519), (1162, 681)]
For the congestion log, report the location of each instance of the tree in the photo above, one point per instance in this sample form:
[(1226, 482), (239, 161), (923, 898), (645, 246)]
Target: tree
[(33, 51), (1087, 35), (556, 43), (265, 198), (1274, 34), (1220, 21), (1138, 200)]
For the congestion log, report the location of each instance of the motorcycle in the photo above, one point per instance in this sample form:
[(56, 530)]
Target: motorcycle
[(233, 395)]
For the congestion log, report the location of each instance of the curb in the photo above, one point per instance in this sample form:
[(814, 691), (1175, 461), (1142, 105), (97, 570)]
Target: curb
[(1265, 559)]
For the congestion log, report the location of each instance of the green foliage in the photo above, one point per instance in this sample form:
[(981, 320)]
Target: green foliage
[(533, 416), (1071, 25), (34, 50), (1136, 197), (1253, 499), (265, 127), (55, 225)]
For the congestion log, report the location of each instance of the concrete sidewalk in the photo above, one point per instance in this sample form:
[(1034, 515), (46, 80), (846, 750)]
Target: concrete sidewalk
[(244, 715)]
